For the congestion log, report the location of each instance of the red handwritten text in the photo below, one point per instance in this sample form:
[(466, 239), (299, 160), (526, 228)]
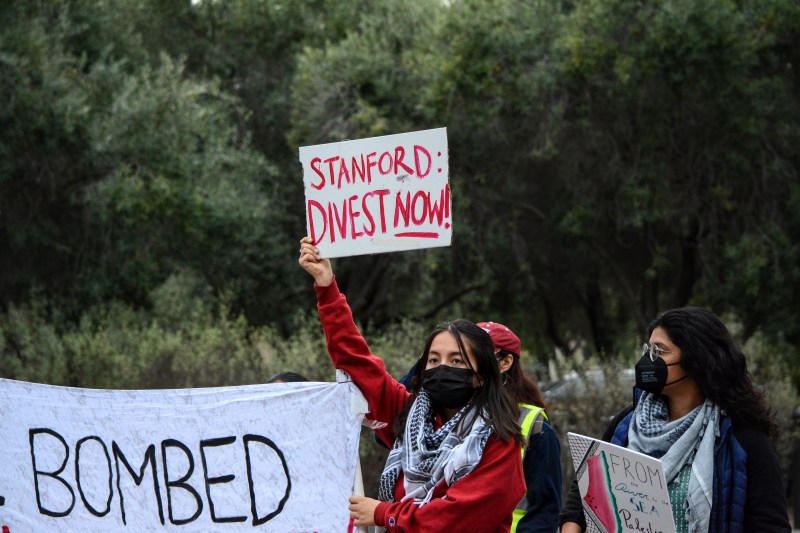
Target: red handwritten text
[(356, 217), (337, 171)]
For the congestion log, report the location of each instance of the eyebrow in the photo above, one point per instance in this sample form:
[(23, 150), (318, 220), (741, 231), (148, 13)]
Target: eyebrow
[(456, 352)]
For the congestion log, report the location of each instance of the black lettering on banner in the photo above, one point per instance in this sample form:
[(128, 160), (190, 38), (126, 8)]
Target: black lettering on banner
[(224, 441), (89, 507), (179, 483), (247, 439), (149, 456), (36, 473)]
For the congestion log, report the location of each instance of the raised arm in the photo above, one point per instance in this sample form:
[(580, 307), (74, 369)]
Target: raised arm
[(347, 347)]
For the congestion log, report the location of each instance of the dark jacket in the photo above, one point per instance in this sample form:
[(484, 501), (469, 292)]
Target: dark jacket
[(748, 486)]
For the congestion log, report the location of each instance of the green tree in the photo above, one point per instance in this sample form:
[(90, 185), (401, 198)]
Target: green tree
[(123, 169), (681, 141), (609, 159), (619, 152)]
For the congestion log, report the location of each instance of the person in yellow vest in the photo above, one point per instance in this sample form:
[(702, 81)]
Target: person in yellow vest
[(539, 509)]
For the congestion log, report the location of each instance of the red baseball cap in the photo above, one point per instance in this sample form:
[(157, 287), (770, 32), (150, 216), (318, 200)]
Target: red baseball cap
[(502, 337)]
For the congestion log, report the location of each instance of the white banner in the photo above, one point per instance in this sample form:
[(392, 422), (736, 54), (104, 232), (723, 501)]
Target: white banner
[(380, 194), (279, 457)]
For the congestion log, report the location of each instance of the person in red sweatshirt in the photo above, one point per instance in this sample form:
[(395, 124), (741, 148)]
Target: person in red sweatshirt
[(454, 462)]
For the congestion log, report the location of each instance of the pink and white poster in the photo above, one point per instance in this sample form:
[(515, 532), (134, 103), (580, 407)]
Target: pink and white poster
[(379, 194)]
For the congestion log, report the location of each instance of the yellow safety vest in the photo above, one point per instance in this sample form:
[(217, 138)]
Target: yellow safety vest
[(527, 416)]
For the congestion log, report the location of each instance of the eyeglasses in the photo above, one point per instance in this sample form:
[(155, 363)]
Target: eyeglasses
[(654, 351)]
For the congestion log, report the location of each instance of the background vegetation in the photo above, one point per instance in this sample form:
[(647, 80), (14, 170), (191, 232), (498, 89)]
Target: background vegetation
[(609, 159)]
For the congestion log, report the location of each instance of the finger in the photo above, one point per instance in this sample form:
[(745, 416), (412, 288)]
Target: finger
[(306, 260), (308, 248)]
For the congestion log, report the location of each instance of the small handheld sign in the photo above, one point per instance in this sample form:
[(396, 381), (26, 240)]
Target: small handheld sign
[(621, 490), (379, 194)]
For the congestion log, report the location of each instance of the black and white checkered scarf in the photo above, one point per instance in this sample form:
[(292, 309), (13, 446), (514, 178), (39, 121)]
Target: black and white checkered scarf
[(425, 456)]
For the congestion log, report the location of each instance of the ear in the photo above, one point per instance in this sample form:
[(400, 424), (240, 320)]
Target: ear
[(505, 363)]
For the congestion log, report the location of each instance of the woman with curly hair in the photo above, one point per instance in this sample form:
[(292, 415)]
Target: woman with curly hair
[(696, 409)]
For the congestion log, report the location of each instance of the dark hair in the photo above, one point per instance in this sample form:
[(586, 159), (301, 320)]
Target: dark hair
[(521, 388), (491, 398), (286, 377), (714, 360)]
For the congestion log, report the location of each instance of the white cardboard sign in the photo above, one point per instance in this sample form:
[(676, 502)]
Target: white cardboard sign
[(278, 457), (379, 194), (621, 490)]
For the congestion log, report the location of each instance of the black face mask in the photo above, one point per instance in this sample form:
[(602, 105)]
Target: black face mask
[(449, 387), (651, 376)]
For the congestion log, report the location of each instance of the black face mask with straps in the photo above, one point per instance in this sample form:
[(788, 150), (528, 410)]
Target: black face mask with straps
[(651, 376), (449, 387)]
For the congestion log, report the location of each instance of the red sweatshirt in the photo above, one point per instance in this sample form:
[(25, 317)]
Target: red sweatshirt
[(480, 502)]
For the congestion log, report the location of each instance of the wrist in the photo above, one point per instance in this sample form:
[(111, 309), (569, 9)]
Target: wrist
[(323, 280)]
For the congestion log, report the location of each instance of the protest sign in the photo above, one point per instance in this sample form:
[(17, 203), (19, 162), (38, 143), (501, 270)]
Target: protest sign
[(621, 490), (278, 457), (380, 194)]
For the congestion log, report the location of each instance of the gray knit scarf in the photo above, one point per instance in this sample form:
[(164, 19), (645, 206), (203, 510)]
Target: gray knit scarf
[(688, 440), (426, 455)]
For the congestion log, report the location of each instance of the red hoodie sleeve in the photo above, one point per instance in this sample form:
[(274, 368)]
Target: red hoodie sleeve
[(481, 502), (349, 352)]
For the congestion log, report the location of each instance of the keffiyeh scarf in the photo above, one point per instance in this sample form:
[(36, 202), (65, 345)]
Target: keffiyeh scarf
[(426, 455), (688, 440)]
